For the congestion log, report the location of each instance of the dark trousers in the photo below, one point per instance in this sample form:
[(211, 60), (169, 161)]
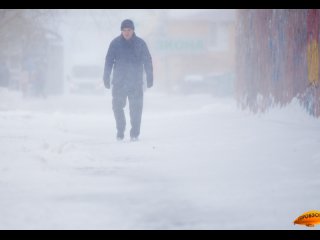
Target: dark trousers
[(119, 100)]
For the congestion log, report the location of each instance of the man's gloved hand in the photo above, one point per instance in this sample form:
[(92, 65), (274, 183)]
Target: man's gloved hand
[(106, 83), (149, 84)]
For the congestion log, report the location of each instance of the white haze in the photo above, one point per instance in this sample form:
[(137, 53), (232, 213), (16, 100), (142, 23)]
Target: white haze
[(201, 162)]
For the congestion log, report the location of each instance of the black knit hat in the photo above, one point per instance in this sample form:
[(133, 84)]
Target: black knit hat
[(127, 24)]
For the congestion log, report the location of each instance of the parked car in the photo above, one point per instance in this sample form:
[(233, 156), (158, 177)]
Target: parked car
[(193, 84), (216, 84), (86, 79)]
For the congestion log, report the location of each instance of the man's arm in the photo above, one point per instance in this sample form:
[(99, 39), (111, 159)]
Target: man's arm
[(147, 61), (109, 62)]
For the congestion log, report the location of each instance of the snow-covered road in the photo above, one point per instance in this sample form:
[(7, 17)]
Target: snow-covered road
[(201, 163)]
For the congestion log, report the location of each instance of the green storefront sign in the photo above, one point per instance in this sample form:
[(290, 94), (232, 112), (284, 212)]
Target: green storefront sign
[(180, 45)]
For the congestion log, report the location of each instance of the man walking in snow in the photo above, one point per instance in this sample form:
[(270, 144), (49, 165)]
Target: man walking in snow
[(126, 58)]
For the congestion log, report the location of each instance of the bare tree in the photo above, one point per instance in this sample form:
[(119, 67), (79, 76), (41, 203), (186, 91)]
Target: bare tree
[(18, 27)]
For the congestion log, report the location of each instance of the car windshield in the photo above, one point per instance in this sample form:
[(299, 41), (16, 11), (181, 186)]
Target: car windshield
[(86, 71)]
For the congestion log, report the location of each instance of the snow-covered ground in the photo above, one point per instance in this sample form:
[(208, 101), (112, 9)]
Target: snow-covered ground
[(201, 163)]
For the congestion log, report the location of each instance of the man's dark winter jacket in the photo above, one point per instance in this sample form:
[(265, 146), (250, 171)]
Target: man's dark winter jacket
[(127, 58)]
